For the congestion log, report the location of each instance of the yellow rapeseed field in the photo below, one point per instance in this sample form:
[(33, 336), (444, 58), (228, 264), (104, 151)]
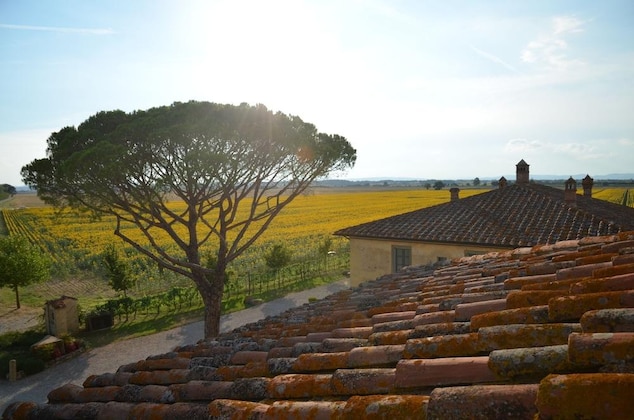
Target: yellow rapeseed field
[(75, 238)]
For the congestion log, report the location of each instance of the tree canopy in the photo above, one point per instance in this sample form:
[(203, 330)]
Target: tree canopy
[(234, 168), (7, 189), (21, 263), (278, 257), (116, 270)]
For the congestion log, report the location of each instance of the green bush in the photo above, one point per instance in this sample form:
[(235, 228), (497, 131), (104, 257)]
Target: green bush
[(30, 365), (5, 357), (20, 338)]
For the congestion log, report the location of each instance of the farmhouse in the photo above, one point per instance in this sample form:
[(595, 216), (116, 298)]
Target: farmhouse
[(518, 215)]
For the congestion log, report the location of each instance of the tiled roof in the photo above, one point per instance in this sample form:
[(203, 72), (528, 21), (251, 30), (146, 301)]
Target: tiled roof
[(546, 331), (509, 217)]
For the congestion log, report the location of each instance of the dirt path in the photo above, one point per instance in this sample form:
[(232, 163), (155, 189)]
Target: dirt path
[(22, 319), (109, 358)]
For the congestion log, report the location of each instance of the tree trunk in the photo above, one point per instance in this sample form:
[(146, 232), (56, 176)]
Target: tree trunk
[(211, 293), (17, 297)]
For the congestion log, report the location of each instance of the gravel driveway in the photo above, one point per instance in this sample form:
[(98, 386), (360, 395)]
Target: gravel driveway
[(108, 358)]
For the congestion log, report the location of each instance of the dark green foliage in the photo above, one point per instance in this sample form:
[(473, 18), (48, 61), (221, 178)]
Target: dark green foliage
[(7, 189), (278, 257), (325, 246), (117, 271), (30, 365), (17, 345), (21, 264)]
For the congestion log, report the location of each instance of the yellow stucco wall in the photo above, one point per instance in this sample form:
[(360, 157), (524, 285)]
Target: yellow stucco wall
[(371, 258)]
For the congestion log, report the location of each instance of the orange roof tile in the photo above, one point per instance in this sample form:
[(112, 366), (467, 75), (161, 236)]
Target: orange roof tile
[(552, 339)]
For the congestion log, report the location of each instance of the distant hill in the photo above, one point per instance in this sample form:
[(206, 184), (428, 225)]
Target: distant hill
[(420, 182)]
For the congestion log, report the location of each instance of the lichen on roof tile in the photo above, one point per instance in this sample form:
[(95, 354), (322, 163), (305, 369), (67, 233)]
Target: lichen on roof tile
[(553, 336)]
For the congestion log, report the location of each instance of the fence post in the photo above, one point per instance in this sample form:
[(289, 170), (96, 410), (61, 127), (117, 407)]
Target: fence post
[(13, 371)]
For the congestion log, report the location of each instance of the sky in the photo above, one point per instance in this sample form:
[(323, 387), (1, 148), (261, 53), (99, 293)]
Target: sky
[(422, 89)]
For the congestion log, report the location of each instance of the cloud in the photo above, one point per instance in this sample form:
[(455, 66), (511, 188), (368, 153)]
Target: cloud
[(550, 51), (577, 151), (88, 31), (567, 24), (493, 58), (522, 145)]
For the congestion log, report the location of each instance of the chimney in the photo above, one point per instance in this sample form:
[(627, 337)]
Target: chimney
[(521, 172), (455, 191), (502, 183), (587, 183), (570, 193)]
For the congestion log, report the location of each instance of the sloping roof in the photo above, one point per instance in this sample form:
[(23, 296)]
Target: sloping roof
[(546, 331), (509, 217)]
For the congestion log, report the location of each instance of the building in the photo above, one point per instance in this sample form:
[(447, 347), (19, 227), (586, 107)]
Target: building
[(62, 316), (523, 214)]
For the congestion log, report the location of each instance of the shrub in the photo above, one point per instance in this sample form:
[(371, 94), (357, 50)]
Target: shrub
[(30, 365)]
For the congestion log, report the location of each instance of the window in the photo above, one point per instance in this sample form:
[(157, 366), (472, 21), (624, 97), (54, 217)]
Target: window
[(471, 253), (401, 257)]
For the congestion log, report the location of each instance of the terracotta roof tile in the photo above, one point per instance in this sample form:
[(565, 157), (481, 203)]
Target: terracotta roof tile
[(354, 332), (465, 311), (516, 283), (608, 320), (390, 337), (236, 409), (525, 335), (527, 298), (483, 402), (201, 390), (446, 328), (333, 345), (552, 336), (443, 346), (525, 315), (425, 373), (434, 318), (386, 406), (392, 316), (600, 349), (607, 284), (576, 396), (169, 411), (298, 385), (321, 362), (568, 308), (522, 363), (364, 381), (376, 356), (306, 409)]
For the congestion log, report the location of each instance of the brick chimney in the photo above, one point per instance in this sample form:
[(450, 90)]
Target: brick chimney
[(455, 193), (587, 183), (521, 172), (570, 193), (502, 183)]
